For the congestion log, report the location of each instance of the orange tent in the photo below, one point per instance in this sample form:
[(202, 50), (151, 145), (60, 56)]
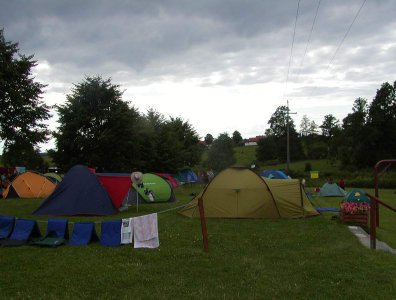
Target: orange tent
[(29, 185)]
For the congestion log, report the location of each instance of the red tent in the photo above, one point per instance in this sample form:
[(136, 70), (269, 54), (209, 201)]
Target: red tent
[(174, 183), (117, 186)]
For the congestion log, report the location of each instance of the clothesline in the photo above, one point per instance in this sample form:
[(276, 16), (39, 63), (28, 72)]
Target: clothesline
[(98, 222)]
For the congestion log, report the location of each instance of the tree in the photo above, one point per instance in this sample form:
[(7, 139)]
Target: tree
[(329, 126), (352, 151), (168, 144), (313, 128), (305, 126), (380, 139), (22, 111), (237, 138), (266, 149), (278, 131), (278, 122), (330, 132), (209, 139), (221, 154), (97, 128)]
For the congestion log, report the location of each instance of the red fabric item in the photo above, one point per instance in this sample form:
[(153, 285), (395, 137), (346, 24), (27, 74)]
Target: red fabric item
[(93, 170), (170, 179), (116, 186)]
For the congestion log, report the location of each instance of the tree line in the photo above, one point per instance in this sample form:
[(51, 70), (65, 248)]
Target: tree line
[(365, 136), (96, 127)]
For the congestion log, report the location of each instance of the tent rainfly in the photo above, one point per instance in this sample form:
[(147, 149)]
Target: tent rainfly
[(331, 190), (240, 193), (29, 185), (79, 193)]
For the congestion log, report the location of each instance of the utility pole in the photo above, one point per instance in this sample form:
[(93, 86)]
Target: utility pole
[(288, 137)]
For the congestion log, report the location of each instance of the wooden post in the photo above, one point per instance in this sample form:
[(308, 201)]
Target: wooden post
[(373, 222), (203, 224)]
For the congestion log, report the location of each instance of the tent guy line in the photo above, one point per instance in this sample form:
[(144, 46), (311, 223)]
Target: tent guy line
[(99, 222)]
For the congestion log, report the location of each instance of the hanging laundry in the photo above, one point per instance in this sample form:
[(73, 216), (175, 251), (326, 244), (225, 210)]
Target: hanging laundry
[(145, 232), (127, 231)]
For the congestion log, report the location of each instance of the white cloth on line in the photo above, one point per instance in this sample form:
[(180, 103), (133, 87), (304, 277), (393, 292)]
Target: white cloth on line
[(127, 231), (145, 231)]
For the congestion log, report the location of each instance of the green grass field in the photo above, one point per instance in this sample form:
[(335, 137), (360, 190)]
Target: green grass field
[(248, 259)]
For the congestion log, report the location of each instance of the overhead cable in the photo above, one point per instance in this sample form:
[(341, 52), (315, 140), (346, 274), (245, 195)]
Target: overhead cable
[(291, 49)]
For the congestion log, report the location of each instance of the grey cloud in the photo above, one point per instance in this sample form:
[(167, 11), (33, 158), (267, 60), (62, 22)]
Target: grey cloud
[(194, 39)]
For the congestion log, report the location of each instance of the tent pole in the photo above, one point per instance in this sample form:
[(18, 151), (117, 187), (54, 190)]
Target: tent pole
[(137, 201)]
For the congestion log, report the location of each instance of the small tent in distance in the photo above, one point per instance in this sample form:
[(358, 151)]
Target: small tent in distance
[(186, 176), (240, 193), (331, 190), (79, 193), (273, 174), (357, 196), (29, 185)]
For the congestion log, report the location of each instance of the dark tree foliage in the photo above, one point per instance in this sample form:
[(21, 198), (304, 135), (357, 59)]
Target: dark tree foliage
[(278, 133), (168, 145), (237, 138), (209, 139), (97, 128), (22, 110), (330, 126), (221, 154), (380, 135), (22, 153), (266, 149), (352, 150)]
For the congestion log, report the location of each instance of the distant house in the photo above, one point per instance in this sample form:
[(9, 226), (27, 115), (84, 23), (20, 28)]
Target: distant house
[(253, 140)]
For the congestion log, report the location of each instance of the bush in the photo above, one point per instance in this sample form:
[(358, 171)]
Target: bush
[(308, 167)]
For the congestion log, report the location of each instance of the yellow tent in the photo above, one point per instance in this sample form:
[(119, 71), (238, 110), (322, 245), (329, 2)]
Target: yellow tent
[(240, 193), (29, 185)]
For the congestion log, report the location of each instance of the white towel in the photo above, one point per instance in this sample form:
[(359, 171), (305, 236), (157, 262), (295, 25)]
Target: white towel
[(126, 231), (145, 231)]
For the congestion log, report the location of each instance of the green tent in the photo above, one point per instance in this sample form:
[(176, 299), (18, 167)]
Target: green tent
[(240, 193), (55, 178), (331, 190), (154, 189), (357, 196)]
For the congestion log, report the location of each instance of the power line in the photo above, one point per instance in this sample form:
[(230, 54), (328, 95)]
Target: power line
[(291, 49), (346, 33), (309, 37), (342, 41)]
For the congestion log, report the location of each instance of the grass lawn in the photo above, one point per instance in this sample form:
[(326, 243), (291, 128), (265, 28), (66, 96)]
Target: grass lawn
[(248, 259)]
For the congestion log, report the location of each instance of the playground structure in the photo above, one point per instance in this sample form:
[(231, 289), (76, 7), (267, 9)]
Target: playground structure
[(375, 201)]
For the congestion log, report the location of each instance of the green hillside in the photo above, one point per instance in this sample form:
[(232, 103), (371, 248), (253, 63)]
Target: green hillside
[(327, 169)]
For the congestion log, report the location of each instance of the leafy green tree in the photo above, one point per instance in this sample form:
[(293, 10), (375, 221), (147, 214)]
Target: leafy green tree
[(352, 151), (278, 130), (331, 133), (380, 139), (221, 154), (266, 149), (305, 126), (237, 138), (313, 128), (330, 126), (209, 139), (22, 153), (22, 111), (168, 144), (97, 128), (278, 122)]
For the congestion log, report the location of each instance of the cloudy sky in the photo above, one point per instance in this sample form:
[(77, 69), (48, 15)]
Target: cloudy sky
[(220, 64)]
